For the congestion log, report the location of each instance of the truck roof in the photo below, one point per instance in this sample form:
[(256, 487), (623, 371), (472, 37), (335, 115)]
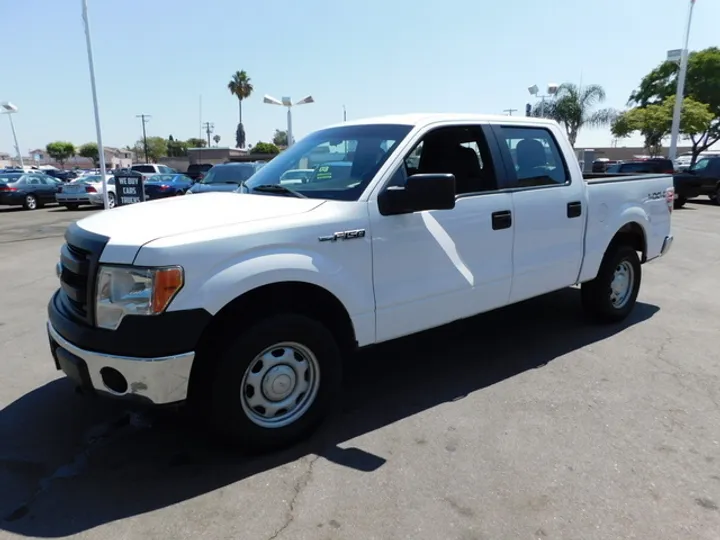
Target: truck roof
[(422, 119)]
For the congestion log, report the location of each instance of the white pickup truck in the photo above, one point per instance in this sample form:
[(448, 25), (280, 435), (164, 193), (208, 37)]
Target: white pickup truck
[(246, 303)]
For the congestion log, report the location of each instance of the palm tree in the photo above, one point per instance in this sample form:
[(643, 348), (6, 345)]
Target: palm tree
[(241, 87), (573, 108), (216, 138)]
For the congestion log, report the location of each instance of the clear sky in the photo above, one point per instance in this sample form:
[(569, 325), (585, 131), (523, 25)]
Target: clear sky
[(373, 56)]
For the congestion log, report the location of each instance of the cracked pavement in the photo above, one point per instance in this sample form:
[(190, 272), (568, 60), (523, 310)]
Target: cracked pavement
[(524, 423)]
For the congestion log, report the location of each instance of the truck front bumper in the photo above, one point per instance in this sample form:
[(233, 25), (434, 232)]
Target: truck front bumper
[(157, 381), (146, 359)]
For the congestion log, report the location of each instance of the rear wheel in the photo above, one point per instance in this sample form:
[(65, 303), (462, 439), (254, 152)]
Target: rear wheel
[(111, 200), (275, 382), (30, 202), (611, 296)]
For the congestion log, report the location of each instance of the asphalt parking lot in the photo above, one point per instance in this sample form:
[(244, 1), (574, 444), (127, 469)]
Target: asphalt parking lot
[(526, 423)]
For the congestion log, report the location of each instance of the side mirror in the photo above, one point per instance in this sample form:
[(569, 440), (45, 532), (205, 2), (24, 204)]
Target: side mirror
[(420, 192)]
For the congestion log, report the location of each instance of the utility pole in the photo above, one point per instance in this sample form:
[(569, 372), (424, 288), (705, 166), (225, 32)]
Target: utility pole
[(509, 111), (145, 119), (209, 128)]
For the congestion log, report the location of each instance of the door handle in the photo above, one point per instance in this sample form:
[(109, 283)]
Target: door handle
[(574, 209), (501, 220)]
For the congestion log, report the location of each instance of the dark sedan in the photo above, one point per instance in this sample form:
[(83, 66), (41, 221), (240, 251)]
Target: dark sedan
[(30, 191), (159, 186), (226, 177)]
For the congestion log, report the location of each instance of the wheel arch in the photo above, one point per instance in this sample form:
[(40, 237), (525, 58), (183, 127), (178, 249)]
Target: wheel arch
[(290, 296)]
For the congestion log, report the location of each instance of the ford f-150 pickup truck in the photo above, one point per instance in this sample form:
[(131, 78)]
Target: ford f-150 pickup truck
[(246, 303)]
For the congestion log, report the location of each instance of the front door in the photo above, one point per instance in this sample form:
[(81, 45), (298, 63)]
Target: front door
[(431, 268), (549, 211)]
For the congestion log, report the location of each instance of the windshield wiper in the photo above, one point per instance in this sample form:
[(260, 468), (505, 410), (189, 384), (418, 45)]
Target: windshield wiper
[(277, 188)]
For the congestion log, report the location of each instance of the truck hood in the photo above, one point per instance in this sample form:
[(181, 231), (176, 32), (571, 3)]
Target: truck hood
[(130, 227)]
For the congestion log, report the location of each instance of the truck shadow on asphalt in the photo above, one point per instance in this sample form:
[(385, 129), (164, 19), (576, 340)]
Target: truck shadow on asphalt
[(68, 465)]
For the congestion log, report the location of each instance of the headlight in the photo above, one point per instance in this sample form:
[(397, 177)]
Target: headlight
[(127, 290)]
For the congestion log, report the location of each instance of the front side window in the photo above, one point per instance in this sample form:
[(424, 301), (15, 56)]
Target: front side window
[(535, 154), (336, 163), (458, 150)]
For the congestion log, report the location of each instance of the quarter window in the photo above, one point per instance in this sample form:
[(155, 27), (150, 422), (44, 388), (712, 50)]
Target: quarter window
[(536, 157)]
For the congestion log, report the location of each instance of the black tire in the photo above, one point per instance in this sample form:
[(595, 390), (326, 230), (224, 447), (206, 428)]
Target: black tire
[(111, 201), (226, 400), (30, 202), (679, 202), (71, 206), (716, 196), (597, 294)]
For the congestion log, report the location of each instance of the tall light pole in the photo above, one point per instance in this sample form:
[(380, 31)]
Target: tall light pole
[(679, 93), (11, 109), (91, 65), (287, 102), (552, 89)]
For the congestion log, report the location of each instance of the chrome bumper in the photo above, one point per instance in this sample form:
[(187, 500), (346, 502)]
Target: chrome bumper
[(667, 244), (157, 380)]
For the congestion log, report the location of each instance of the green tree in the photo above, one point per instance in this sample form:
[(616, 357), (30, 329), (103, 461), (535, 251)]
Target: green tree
[(654, 122), (574, 108), (176, 148), (157, 147), (280, 138), (241, 87), (265, 148), (90, 151), (702, 85), (60, 151), (196, 142)]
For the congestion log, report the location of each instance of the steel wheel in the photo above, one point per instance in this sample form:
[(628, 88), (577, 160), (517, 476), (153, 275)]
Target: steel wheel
[(280, 385), (621, 287)]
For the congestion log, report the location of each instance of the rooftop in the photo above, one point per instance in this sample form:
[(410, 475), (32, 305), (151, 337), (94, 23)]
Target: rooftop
[(415, 119)]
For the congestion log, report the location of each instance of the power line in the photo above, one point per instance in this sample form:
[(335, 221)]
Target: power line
[(145, 118)]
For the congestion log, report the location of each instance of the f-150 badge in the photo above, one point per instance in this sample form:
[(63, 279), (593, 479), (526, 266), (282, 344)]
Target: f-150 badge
[(343, 235)]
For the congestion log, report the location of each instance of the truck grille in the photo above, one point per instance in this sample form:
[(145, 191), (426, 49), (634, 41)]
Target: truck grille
[(75, 279)]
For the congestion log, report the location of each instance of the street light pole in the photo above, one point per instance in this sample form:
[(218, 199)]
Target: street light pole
[(679, 93), (11, 109), (91, 65), (287, 102)]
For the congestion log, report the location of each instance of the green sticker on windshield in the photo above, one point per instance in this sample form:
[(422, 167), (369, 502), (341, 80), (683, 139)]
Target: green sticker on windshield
[(324, 173)]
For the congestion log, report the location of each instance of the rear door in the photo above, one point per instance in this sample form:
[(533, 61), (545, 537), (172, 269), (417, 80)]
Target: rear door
[(549, 210)]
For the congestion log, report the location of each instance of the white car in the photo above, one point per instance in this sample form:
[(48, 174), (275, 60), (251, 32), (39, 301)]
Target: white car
[(247, 303), (86, 190)]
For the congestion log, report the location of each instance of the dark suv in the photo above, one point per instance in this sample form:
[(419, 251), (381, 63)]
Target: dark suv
[(643, 166)]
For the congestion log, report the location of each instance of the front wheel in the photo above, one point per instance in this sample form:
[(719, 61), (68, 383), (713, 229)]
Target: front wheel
[(679, 202), (275, 382), (715, 197), (611, 296)]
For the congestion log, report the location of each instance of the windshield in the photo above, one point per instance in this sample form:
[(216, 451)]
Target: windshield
[(9, 178), (160, 179), (233, 173), (343, 160)]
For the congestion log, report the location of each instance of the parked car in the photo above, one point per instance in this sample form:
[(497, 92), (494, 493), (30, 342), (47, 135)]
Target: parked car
[(85, 191), (642, 166), (226, 177), (149, 169), (265, 293), (65, 176), (703, 178), (29, 190), (160, 186), (197, 171)]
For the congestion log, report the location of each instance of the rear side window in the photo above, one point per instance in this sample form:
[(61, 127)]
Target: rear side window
[(536, 156), (143, 168)]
